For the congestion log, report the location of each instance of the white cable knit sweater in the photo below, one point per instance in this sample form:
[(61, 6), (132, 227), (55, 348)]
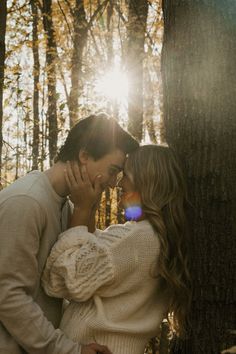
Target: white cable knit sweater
[(107, 276)]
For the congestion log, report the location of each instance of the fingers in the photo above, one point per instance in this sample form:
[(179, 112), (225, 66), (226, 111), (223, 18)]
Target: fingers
[(84, 174), (97, 184), (69, 175), (76, 172), (72, 174), (100, 348)]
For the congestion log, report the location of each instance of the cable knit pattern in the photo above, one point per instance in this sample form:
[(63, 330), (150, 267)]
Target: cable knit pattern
[(108, 278), (75, 263)]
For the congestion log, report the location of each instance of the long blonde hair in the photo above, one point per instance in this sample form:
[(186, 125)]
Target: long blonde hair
[(159, 181)]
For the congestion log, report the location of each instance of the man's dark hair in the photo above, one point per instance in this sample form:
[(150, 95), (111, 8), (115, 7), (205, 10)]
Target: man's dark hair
[(98, 135)]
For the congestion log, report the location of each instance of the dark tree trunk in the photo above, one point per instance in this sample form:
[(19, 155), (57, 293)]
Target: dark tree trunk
[(138, 10), (199, 83), (108, 207), (51, 54), (35, 144), (79, 41), (3, 21)]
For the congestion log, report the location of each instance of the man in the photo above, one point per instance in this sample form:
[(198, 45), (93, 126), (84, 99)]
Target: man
[(33, 212)]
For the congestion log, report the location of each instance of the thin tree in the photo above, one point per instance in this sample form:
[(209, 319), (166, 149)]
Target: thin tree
[(137, 19), (81, 28), (149, 105), (79, 41), (199, 82), (51, 55), (3, 20), (36, 68)]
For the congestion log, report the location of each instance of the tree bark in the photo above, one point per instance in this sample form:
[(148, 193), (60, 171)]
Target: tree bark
[(3, 23), (199, 87), (108, 207), (138, 11), (36, 68), (149, 106), (51, 55), (79, 41)]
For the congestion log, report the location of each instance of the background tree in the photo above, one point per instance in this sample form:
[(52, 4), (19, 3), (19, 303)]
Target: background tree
[(51, 56), (3, 21), (36, 68), (79, 41), (199, 53), (138, 11)]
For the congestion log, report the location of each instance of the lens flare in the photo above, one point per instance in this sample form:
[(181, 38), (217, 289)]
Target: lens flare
[(132, 205), (133, 212)]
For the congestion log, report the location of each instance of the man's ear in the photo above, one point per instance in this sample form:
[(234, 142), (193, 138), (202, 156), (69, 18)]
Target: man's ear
[(83, 157)]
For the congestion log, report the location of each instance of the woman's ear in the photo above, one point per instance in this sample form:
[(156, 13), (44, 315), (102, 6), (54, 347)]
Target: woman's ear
[(83, 157)]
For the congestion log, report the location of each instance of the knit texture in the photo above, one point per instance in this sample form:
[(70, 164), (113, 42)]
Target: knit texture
[(109, 279)]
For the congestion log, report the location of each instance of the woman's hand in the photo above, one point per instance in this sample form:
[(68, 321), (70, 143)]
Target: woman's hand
[(95, 348), (83, 193)]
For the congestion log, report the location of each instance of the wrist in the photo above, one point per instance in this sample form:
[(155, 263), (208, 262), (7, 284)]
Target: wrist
[(80, 217)]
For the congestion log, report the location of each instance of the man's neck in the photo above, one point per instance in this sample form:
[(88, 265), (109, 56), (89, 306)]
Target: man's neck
[(56, 177)]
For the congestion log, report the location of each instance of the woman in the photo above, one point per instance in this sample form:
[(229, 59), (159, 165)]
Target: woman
[(122, 282)]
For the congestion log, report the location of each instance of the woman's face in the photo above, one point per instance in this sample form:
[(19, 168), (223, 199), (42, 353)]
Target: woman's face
[(130, 199), (126, 185)]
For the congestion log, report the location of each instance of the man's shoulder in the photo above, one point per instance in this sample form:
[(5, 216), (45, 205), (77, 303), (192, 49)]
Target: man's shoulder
[(31, 186)]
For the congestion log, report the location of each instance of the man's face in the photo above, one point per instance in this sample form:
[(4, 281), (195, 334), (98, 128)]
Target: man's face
[(108, 167)]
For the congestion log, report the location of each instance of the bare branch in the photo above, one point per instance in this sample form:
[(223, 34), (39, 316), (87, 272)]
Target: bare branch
[(14, 9), (99, 9), (64, 15)]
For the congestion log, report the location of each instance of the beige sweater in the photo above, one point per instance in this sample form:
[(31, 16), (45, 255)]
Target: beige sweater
[(31, 219), (107, 276)]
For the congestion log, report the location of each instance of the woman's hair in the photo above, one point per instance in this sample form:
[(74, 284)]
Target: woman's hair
[(98, 135), (158, 179)]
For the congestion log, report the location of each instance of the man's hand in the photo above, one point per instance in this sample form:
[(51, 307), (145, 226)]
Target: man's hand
[(95, 348), (83, 193)]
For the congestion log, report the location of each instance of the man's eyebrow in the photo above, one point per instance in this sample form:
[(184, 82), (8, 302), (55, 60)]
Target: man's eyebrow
[(117, 167)]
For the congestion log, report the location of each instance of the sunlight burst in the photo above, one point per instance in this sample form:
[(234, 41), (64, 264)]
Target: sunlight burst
[(113, 85)]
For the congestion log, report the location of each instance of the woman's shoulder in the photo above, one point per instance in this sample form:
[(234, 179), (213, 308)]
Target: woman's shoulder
[(130, 229), (131, 225)]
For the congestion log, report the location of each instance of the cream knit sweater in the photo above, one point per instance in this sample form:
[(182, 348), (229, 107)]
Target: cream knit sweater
[(108, 278)]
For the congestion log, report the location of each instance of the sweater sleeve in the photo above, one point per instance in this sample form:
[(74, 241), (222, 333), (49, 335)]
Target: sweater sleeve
[(79, 266), (21, 224)]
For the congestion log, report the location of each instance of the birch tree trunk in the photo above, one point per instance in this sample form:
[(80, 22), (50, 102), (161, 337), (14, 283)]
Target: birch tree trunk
[(199, 83), (138, 11), (3, 22)]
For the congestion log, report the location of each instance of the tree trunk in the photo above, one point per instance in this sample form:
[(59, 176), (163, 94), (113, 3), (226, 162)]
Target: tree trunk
[(199, 83), (3, 21), (51, 54), (108, 207), (138, 11), (79, 41), (19, 118), (36, 69), (149, 106)]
